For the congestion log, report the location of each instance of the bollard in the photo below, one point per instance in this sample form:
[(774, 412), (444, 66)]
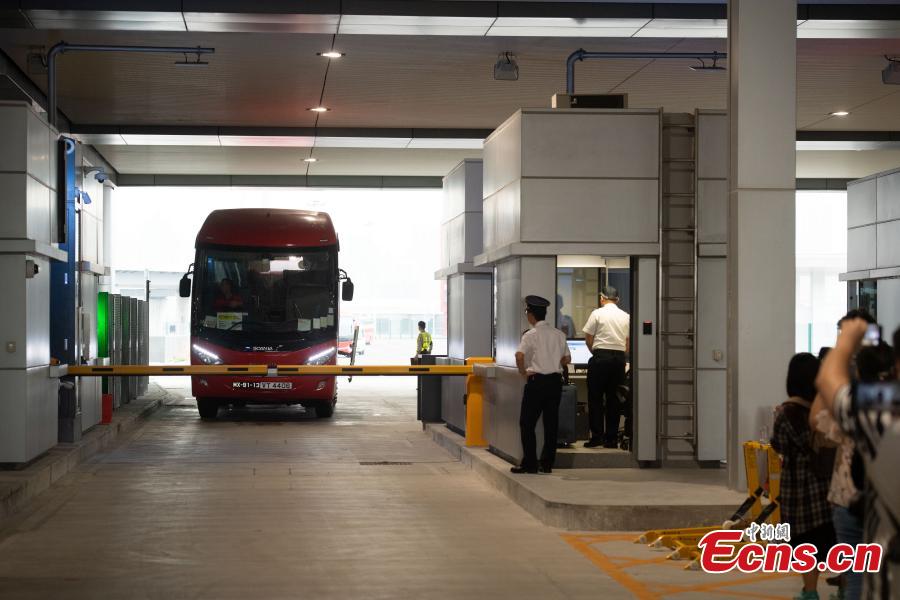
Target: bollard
[(106, 409), (475, 405)]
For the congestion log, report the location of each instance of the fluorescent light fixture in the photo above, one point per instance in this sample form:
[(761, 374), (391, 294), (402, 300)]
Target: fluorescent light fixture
[(319, 109), (311, 159), (272, 141), (331, 54), (447, 143), (361, 142), (139, 139), (840, 113)]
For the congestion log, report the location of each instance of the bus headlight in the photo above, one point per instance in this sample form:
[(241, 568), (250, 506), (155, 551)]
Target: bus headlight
[(320, 358), (205, 356)]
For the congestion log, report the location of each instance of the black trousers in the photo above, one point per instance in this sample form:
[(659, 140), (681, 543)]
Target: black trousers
[(606, 372), (541, 396)]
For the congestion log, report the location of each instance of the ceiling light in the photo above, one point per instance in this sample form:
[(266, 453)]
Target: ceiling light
[(840, 113), (506, 68), (311, 159), (330, 54), (319, 109)]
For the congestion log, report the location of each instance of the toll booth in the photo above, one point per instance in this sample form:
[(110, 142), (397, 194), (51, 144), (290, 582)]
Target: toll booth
[(873, 252), (631, 196), (469, 288)]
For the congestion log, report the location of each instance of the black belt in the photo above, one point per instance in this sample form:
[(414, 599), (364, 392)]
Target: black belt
[(607, 352), (543, 376)]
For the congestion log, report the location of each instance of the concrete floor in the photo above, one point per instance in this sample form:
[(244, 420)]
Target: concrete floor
[(270, 503)]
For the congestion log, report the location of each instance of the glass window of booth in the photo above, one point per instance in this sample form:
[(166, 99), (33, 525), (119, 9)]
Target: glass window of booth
[(579, 280)]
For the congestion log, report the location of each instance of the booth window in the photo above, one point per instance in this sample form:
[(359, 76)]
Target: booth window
[(578, 283)]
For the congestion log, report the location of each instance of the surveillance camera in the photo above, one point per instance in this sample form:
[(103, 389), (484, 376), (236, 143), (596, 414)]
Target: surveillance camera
[(99, 174)]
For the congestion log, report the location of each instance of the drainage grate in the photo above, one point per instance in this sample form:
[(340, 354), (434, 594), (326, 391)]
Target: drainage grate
[(381, 463)]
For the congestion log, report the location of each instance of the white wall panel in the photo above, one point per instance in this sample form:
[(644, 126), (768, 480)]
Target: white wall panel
[(861, 203), (861, 248), (28, 415), (26, 204), (38, 149), (712, 307), (712, 211), (712, 420), (455, 316), (888, 196), (474, 184), (578, 143), (712, 146), (502, 156), (479, 323), (645, 398), (474, 235), (26, 311), (888, 242), (590, 210), (13, 147), (501, 217)]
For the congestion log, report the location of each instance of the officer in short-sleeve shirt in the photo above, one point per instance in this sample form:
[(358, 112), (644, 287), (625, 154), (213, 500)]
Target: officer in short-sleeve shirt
[(541, 358), (606, 334)]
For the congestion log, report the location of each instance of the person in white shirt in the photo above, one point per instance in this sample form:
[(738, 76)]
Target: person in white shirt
[(541, 358), (607, 336)]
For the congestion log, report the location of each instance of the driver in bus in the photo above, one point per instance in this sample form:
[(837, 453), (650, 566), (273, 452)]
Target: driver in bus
[(227, 298)]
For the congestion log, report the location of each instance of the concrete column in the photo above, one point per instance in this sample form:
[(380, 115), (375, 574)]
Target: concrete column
[(762, 41)]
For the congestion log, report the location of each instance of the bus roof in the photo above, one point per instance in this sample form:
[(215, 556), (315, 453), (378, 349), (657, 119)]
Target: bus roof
[(267, 228)]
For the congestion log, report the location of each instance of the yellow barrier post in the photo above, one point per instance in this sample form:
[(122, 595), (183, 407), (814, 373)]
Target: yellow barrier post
[(475, 404), (752, 468)]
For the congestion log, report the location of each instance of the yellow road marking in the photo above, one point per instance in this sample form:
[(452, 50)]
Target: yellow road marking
[(615, 567)]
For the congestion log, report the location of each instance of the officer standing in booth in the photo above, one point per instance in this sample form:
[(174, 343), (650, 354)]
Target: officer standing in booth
[(541, 358), (606, 334)]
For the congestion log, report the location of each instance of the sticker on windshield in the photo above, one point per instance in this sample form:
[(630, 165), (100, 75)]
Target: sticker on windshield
[(317, 323), (229, 320), (329, 321), (304, 324), (210, 321)]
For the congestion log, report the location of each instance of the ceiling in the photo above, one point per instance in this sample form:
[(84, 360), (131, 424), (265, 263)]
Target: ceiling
[(404, 81)]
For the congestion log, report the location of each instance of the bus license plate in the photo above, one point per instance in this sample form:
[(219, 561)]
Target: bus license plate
[(262, 385)]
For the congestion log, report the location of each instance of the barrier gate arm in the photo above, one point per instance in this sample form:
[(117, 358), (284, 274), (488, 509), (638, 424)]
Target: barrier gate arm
[(474, 380), (266, 371)]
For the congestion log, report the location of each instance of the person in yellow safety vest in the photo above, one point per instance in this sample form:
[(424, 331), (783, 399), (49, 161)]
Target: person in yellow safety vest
[(423, 342)]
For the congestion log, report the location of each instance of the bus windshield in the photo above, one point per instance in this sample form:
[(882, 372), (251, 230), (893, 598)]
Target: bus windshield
[(289, 292)]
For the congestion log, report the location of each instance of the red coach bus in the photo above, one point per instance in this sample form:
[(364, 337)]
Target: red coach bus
[(265, 292)]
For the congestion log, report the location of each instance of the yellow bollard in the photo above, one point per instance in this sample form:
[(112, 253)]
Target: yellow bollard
[(475, 405)]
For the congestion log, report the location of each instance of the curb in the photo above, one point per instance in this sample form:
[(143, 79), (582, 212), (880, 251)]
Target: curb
[(569, 516)]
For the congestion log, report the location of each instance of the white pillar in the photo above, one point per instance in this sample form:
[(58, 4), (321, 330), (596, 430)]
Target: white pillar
[(762, 42)]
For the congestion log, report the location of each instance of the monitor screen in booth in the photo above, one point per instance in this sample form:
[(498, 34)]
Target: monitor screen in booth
[(580, 353)]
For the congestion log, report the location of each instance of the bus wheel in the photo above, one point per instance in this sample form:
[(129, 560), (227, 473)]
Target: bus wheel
[(325, 411), (208, 408)]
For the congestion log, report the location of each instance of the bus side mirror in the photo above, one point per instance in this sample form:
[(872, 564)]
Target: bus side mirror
[(347, 291), (184, 287)]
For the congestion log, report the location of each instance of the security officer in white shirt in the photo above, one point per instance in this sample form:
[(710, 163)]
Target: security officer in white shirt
[(606, 335), (541, 358)]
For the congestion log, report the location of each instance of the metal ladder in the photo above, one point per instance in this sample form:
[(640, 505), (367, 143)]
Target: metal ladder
[(677, 393)]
